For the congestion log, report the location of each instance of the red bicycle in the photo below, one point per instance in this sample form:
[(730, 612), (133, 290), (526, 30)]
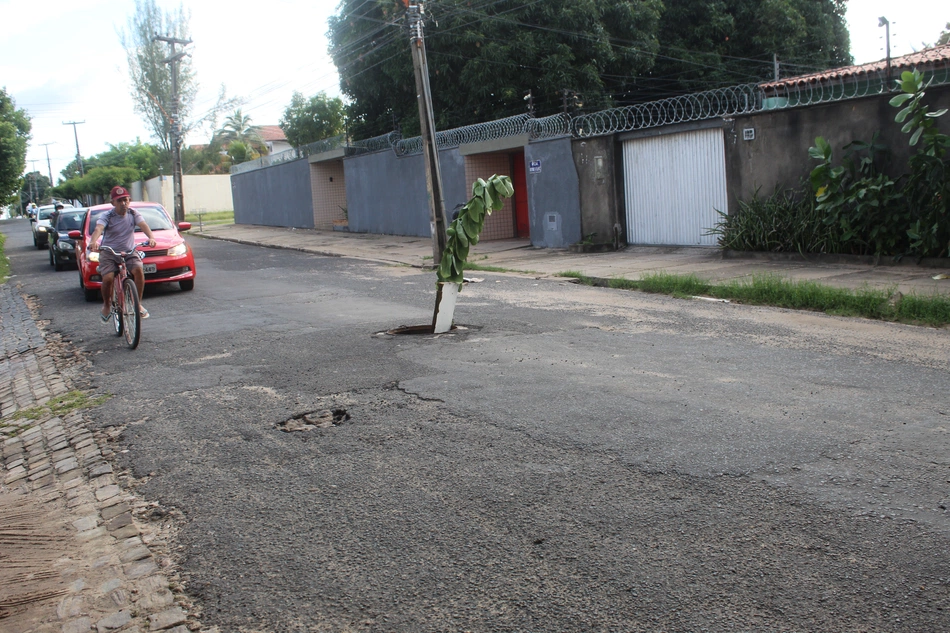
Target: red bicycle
[(126, 315)]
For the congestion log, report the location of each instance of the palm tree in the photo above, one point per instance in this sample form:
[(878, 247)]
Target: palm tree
[(237, 128)]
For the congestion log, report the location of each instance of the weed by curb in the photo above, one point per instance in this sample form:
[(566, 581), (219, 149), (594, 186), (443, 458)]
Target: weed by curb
[(772, 290)]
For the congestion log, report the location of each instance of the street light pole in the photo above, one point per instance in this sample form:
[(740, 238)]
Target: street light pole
[(175, 139), (882, 21)]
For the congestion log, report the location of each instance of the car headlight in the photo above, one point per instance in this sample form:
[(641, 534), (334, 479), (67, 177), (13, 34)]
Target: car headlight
[(41, 229), (93, 256), (176, 251), (65, 246)]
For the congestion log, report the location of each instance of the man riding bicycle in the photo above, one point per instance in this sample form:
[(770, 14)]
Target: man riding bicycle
[(117, 229)]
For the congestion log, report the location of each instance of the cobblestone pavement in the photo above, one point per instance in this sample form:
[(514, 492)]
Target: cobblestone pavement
[(78, 552)]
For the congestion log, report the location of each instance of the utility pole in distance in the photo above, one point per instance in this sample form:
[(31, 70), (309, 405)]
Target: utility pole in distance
[(76, 134), (173, 59), (48, 165), (34, 190), (415, 12)]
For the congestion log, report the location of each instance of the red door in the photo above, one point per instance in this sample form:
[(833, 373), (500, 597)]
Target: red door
[(520, 182)]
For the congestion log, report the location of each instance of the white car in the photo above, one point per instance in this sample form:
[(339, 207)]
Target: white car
[(41, 224)]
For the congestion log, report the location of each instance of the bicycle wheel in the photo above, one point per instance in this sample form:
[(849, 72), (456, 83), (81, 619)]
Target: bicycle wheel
[(132, 318), (117, 322)]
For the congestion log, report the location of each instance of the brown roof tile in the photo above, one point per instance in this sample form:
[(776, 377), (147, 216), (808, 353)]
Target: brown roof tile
[(272, 133), (929, 58)]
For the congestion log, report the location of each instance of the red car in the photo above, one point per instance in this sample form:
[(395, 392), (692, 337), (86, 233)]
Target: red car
[(170, 261)]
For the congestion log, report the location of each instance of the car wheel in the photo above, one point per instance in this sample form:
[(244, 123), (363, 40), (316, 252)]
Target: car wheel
[(36, 242), (187, 284), (57, 264), (52, 257)]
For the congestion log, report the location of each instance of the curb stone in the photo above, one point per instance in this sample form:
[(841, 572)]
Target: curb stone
[(108, 572)]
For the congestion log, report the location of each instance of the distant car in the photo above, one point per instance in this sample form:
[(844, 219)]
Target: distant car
[(170, 261), (62, 248), (41, 223)]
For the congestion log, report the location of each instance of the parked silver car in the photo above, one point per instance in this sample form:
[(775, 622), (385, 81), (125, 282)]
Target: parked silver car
[(42, 222)]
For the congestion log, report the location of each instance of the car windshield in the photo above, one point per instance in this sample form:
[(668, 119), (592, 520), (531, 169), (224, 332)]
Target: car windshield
[(69, 221), (156, 219), (43, 214)]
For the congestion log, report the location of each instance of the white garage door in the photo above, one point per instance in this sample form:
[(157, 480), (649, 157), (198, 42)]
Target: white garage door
[(674, 185)]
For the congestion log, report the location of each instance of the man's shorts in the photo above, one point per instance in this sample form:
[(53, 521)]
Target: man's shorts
[(109, 263)]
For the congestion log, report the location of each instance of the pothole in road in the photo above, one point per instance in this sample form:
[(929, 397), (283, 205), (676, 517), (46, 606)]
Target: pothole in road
[(322, 419)]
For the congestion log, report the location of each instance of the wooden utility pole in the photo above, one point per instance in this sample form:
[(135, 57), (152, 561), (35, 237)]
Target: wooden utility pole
[(175, 139), (415, 12), (76, 134), (49, 166)]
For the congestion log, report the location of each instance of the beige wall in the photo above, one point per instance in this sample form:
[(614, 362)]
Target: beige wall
[(211, 192), (500, 225), (329, 193)]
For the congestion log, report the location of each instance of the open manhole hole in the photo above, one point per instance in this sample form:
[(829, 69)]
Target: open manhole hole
[(418, 329), (323, 419)]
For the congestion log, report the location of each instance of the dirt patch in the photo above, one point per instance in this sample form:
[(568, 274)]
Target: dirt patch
[(33, 539)]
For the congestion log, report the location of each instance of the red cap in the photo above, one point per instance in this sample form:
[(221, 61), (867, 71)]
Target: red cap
[(120, 192)]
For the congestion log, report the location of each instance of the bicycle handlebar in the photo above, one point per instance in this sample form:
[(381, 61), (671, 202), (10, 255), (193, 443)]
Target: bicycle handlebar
[(121, 253)]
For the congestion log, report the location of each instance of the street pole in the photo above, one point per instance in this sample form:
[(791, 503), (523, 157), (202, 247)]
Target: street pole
[(76, 134), (48, 165), (415, 11), (882, 21), (175, 139), (33, 190)]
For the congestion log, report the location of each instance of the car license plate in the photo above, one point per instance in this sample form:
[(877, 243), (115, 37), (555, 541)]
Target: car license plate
[(149, 268)]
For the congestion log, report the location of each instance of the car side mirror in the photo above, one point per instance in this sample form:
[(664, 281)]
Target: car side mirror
[(74, 235), (184, 226)]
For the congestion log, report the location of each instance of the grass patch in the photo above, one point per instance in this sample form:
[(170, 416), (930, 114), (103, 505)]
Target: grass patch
[(496, 269), (60, 406), (4, 262), (771, 290), (214, 217)]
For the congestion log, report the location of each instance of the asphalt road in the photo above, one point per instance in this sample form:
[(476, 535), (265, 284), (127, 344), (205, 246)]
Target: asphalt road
[(572, 459)]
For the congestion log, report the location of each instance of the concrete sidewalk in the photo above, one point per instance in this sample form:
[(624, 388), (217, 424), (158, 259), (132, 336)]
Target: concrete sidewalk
[(518, 256)]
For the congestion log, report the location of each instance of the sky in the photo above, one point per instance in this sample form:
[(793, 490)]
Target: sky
[(63, 61)]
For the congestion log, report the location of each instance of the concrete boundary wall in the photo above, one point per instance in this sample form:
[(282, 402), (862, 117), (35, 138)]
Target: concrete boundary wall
[(777, 155), (279, 195), (386, 194)]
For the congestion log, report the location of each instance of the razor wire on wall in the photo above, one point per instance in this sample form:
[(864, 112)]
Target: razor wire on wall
[(700, 106)]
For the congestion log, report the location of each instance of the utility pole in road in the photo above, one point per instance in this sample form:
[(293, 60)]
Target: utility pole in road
[(175, 139), (415, 12), (76, 134)]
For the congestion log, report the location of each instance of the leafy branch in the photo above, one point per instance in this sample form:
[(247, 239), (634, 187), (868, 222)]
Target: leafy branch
[(487, 196)]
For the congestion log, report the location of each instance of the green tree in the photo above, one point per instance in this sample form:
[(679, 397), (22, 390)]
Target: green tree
[(314, 119), (237, 127), (146, 159), (483, 57), (36, 186), (241, 152), (711, 43), (944, 36), (97, 181), (15, 128), (205, 159)]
